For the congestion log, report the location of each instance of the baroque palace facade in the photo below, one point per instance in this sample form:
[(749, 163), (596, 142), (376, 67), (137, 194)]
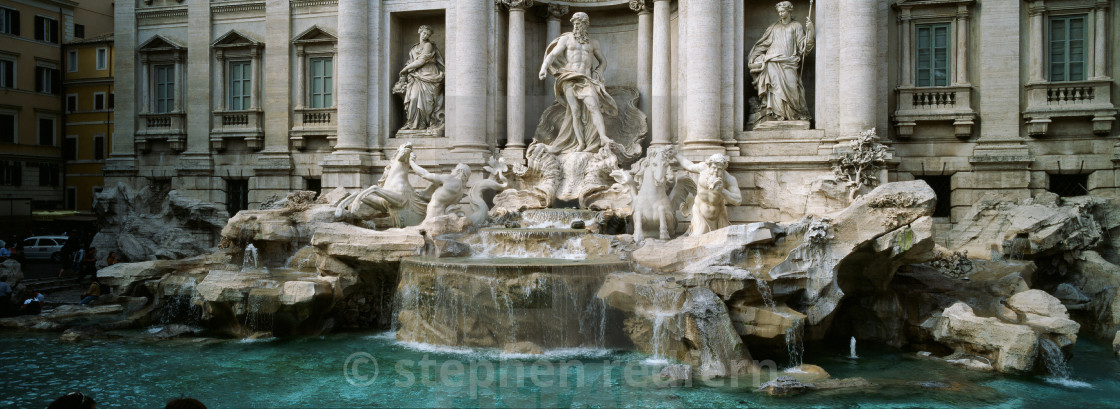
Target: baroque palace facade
[(234, 102)]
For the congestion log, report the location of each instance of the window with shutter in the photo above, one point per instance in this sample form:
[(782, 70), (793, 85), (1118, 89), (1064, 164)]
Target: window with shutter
[(1068, 36)]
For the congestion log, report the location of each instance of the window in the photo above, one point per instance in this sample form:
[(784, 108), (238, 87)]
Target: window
[(46, 80), (322, 83), (237, 195), (240, 85), (7, 128), (943, 190), (46, 131), (1068, 36), (98, 147), (48, 174), (314, 185), (72, 61), (102, 58), (111, 104), (932, 54), (79, 31), (7, 74), (98, 101), (11, 173), (71, 197), (1069, 185), (70, 148), (164, 88), (46, 29), (9, 21), (71, 103)]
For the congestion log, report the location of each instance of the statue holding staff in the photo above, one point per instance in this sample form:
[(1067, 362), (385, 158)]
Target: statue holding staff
[(776, 61)]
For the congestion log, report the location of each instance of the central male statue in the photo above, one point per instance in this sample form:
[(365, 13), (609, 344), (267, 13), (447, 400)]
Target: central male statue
[(577, 62)]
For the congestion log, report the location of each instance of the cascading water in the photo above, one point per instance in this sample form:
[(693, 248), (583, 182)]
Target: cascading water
[(852, 349), (766, 293), (251, 259), (179, 309), (795, 346)]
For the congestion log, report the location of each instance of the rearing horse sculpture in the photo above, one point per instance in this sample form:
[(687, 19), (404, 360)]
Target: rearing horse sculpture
[(652, 200)]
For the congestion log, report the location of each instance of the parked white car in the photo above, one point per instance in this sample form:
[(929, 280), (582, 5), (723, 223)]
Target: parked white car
[(44, 247)]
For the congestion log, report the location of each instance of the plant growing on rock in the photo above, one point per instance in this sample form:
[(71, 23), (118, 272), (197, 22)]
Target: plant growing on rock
[(858, 166)]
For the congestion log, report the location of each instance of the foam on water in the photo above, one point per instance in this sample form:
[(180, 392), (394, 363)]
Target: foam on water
[(1068, 382)]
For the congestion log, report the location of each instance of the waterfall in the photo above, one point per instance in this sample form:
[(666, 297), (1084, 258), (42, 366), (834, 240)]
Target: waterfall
[(852, 348), (766, 293), (1054, 358), (178, 309), (255, 317), (251, 258), (795, 344)]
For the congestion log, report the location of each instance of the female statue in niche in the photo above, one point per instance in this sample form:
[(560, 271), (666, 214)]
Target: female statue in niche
[(421, 85)]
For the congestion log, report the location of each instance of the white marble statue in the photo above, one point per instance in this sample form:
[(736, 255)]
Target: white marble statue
[(652, 204), (577, 62), (776, 62), (421, 85), (393, 194), (715, 190), (449, 188), (479, 210)]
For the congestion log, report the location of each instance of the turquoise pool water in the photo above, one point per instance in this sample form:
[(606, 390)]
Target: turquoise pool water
[(335, 371)]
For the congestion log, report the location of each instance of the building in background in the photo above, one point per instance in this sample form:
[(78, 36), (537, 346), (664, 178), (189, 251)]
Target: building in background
[(32, 111), (88, 95)]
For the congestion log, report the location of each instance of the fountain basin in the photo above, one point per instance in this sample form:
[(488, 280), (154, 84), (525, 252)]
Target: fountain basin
[(556, 218), (504, 301), (539, 244)]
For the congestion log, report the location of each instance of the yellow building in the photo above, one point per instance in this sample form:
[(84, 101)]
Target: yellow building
[(32, 107), (88, 97)]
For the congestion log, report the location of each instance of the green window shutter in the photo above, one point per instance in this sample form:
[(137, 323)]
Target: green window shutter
[(321, 82), (932, 50), (240, 84), (1068, 36)]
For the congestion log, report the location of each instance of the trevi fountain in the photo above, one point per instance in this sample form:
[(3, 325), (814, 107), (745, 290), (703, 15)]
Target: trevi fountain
[(593, 267)]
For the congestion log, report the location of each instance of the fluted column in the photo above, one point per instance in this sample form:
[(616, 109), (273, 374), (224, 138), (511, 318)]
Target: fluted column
[(702, 74), (858, 89), (220, 75), (552, 31), (660, 70), (1036, 9), (904, 30), (468, 72), (962, 45), (1100, 53), (353, 76), (645, 61), (301, 97), (515, 76)]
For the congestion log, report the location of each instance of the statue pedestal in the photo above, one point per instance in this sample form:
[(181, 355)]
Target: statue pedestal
[(421, 133), (781, 125)]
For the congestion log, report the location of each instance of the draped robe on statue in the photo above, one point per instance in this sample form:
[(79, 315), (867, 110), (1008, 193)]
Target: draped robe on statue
[(422, 89), (582, 86), (775, 62)]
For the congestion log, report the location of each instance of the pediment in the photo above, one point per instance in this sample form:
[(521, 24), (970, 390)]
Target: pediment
[(235, 38), (160, 43), (315, 34)]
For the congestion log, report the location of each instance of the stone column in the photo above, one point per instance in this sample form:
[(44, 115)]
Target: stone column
[(660, 70), (645, 61), (552, 31), (703, 75), (375, 129), (1035, 10), (145, 84), (467, 75), (904, 28), (1100, 53), (254, 79), (515, 75), (220, 76), (121, 163), (858, 88), (301, 96), (353, 77), (962, 45)]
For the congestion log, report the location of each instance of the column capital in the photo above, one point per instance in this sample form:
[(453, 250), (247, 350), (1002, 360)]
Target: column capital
[(1036, 8), (516, 4), (659, 1), (641, 6), (556, 11), (1101, 5), (963, 11)]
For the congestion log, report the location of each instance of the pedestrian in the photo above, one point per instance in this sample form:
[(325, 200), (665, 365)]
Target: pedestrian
[(33, 304), (111, 259), (91, 294), (5, 251), (5, 296), (73, 400), (88, 266)]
